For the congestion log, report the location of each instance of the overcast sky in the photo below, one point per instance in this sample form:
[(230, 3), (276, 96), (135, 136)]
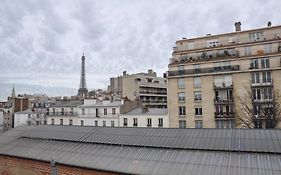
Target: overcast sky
[(42, 41)]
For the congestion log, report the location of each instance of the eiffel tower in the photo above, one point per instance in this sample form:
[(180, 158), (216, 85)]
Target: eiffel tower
[(83, 91)]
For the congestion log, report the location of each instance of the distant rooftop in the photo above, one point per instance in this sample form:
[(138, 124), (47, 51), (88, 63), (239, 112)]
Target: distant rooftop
[(68, 103), (150, 111)]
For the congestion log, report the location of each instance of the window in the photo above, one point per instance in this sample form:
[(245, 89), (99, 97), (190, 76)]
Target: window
[(212, 43), (225, 124), (82, 122), (198, 124), (197, 82), (181, 96), (105, 111), (247, 51), (113, 111), (96, 123), (198, 110), (190, 45), (135, 122), (267, 93), (112, 124), (125, 122), (182, 124), (160, 122), (149, 122), (97, 112), (256, 94), (182, 110), (37, 122), (257, 36), (70, 122), (61, 121), (181, 83), (53, 121), (197, 95), (197, 68), (266, 77), (254, 64), (29, 116), (255, 77), (181, 70), (28, 123), (83, 111), (265, 63), (268, 48), (103, 123)]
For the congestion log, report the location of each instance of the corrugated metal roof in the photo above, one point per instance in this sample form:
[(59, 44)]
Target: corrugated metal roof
[(241, 140), (135, 160), (150, 111)]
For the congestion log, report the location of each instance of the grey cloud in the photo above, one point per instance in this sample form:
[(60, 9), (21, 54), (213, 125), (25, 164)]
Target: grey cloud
[(43, 40)]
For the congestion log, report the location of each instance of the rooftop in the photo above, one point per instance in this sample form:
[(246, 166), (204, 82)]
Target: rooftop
[(150, 111), (149, 151)]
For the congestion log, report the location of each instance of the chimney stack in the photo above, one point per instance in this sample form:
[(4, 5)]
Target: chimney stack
[(269, 24), (124, 73), (237, 26)]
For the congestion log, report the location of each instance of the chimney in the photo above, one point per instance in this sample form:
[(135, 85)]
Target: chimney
[(269, 24), (124, 73), (237, 26), (144, 109)]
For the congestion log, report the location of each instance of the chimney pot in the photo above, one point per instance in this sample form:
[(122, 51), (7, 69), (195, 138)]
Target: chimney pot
[(237, 26), (269, 24)]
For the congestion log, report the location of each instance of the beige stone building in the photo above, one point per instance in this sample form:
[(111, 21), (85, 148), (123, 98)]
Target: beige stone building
[(146, 87), (207, 75)]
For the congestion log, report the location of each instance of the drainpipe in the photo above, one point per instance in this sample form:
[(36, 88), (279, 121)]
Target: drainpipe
[(54, 170)]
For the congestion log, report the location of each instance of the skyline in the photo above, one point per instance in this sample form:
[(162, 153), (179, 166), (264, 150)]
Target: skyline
[(42, 43)]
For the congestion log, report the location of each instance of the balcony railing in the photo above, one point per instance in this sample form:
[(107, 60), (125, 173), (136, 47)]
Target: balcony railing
[(263, 83), (204, 70), (223, 101), (62, 113), (223, 86), (224, 115), (154, 92)]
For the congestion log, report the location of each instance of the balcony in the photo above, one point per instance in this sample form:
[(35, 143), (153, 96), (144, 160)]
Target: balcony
[(204, 70), (224, 115), (263, 84), (223, 86), (224, 101), (62, 114), (153, 92)]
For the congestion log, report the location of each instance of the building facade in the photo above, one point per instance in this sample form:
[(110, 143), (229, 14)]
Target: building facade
[(145, 117), (146, 87), (92, 112), (63, 112), (209, 75), (29, 118)]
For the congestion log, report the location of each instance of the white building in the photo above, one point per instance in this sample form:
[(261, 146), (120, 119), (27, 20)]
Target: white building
[(145, 117), (92, 113), (29, 117), (63, 113), (100, 113)]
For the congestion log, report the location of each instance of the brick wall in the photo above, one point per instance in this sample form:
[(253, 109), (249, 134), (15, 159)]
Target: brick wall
[(19, 166)]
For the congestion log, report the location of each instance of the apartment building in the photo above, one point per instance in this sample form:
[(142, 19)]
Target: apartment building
[(145, 117), (90, 112), (29, 117), (207, 76), (63, 112), (146, 87)]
